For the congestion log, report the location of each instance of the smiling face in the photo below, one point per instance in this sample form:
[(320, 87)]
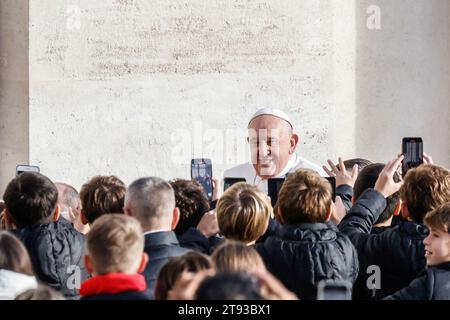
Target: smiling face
[(437, 247), (271, 145)]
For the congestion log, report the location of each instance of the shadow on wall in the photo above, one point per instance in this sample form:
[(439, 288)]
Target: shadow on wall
[(14, 88), (402, 77)]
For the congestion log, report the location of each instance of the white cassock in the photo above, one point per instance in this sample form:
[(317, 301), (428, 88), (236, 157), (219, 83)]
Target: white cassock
[(248, 172)]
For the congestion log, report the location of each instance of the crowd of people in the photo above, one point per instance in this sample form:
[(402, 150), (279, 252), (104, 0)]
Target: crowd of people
[(386, 233)]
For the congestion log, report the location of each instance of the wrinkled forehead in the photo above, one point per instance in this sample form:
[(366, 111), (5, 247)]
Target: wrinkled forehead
[(269, 125)]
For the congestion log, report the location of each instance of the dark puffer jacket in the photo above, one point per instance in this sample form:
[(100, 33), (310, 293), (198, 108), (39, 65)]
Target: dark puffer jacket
[(433, 285), (398, 251), (303, 255), (56, 251)]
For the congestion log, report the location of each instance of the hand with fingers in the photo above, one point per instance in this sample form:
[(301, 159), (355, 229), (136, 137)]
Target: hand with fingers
[(208, 224), (385, 183), (217, 190), (427, 159), (342, 175)]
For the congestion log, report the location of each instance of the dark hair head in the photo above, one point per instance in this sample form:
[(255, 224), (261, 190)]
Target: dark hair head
[(229, 286), (172, 270), (31, 199), (362, 163), (192, 201), (101, 195), (13, 254), (366, 179)]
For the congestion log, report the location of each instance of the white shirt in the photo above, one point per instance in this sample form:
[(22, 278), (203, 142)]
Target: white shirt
[(248, 172)]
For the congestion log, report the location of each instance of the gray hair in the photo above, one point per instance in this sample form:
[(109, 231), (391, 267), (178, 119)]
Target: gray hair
[(150, 199), (67, 195)]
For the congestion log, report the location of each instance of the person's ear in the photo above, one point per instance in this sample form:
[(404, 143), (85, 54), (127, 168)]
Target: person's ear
[(405, 212), (57, 213), (329, 212), (175, 217), (278, 215), (294, 141), (88, 264), (398, 208), (143, 264), (83, 217)]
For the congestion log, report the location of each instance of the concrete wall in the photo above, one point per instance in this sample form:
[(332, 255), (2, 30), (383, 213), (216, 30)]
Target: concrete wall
[(403, 78), (135, 87), (14, 129), (139, 87)]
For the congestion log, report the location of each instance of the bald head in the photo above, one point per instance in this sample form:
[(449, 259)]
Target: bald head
[(272, 142), (67, 196)]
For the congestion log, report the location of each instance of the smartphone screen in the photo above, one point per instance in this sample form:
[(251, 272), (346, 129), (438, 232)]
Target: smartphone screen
[(334, 290), (332, 181), (201, 171), (228, 182), (26, 168), (412, 149), (273, 187)]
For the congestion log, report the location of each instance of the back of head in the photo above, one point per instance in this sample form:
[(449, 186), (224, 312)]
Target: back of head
[(42, 292), (234, 256), (192, 201), (150, 200), (366, 179), (115, 244), (67, 196), (439, 218), (172, 270), (229, 286), (243, 212), (31, 199), (101, 195), (13, 254), (362, 163), (305, 197), (424, 189)]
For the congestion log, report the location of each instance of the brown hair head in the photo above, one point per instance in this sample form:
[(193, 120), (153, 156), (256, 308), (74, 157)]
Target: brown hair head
[(439, 218), (101, 195), (305, 197), (234, 256), (243, 212), (172, 270), (424, 189), (115, 243), (13, 254)]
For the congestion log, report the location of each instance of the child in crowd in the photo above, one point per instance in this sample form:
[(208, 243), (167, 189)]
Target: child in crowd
[(234, 256), (115, 257), (435, 283), (53, 244), (308, 248)]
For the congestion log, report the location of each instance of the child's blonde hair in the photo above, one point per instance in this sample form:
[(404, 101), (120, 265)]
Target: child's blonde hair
[(243, 213), (439, 218), (305, 197), (115, 244), (234, 256)]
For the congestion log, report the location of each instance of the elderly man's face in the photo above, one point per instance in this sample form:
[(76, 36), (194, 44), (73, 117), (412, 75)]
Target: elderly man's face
[(271, 145)]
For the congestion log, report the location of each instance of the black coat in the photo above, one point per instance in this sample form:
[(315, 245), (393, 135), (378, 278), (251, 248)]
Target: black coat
[(398, 251), (128, 295), (303, 255), (53, 248), (160, 247), (433, 285)]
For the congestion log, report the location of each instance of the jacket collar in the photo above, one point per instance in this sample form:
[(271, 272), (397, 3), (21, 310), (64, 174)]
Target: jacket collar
[(413, 229), (309, 231), (161, 238), (444, 266), (113, 283)]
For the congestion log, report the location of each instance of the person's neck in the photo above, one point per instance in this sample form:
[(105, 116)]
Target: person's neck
[(386, 223)]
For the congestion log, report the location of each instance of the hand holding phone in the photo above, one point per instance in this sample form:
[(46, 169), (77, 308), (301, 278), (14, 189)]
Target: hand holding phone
[(412, 150), (201, 171)]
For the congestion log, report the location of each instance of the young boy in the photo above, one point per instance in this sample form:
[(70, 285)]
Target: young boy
[(398, 251), (101, 195), (308, 248), (435, 283), (55, 247), (115, 257)]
